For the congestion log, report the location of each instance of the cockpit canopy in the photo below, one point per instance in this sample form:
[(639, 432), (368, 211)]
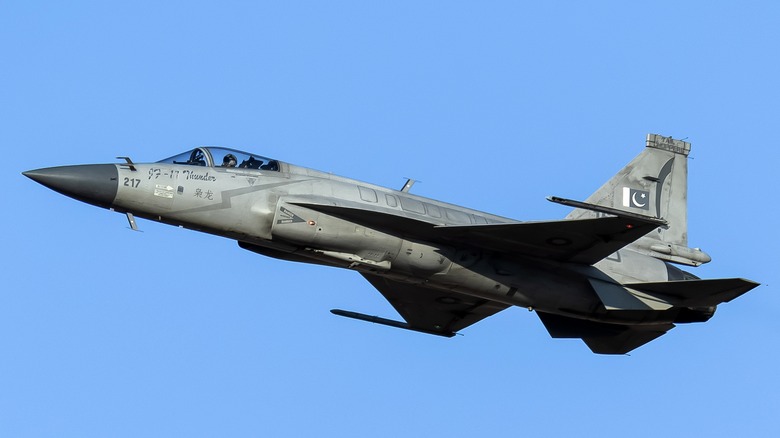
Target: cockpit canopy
[(223, 157)]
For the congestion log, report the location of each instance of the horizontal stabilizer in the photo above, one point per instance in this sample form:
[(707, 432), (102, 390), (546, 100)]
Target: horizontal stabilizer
[(603, 338), (696, 293)]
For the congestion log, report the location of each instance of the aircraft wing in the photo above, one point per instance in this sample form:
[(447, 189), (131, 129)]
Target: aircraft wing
[(574, 240), (600, 337), (431, 310), (696, 293), (580, 240)]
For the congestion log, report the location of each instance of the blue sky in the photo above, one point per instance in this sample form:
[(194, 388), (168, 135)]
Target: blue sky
[(492, 105)]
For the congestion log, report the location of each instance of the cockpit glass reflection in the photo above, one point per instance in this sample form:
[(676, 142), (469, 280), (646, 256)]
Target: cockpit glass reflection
[(223, 157)]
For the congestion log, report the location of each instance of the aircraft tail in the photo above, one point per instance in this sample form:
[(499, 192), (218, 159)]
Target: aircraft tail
[(655, 183)]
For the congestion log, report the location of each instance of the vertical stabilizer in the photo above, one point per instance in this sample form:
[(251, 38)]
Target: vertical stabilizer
[(655, 183)]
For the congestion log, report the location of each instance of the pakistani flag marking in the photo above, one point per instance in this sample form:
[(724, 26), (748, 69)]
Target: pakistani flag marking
[(634, 198)]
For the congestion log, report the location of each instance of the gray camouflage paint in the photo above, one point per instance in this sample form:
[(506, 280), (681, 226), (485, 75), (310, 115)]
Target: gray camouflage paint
[(442, 266)]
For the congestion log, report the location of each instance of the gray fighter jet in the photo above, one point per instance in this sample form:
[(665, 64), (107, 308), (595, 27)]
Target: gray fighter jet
[(607, 273)]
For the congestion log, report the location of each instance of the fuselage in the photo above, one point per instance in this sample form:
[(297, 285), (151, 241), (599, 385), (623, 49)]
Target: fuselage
[(295, 213), (602, 274)]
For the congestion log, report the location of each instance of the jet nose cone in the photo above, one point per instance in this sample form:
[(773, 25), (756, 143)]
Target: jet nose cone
[(92, 183)]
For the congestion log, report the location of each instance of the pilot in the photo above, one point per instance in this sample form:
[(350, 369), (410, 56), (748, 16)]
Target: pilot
[(229, 161)]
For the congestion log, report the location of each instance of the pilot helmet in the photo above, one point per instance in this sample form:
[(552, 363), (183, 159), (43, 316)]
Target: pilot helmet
[(229, 160)]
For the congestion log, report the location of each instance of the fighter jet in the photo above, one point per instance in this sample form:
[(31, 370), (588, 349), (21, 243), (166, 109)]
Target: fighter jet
[(607, 273)]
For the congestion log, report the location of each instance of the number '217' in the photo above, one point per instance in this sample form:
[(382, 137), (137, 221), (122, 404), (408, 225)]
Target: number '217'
[(132, 182)]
